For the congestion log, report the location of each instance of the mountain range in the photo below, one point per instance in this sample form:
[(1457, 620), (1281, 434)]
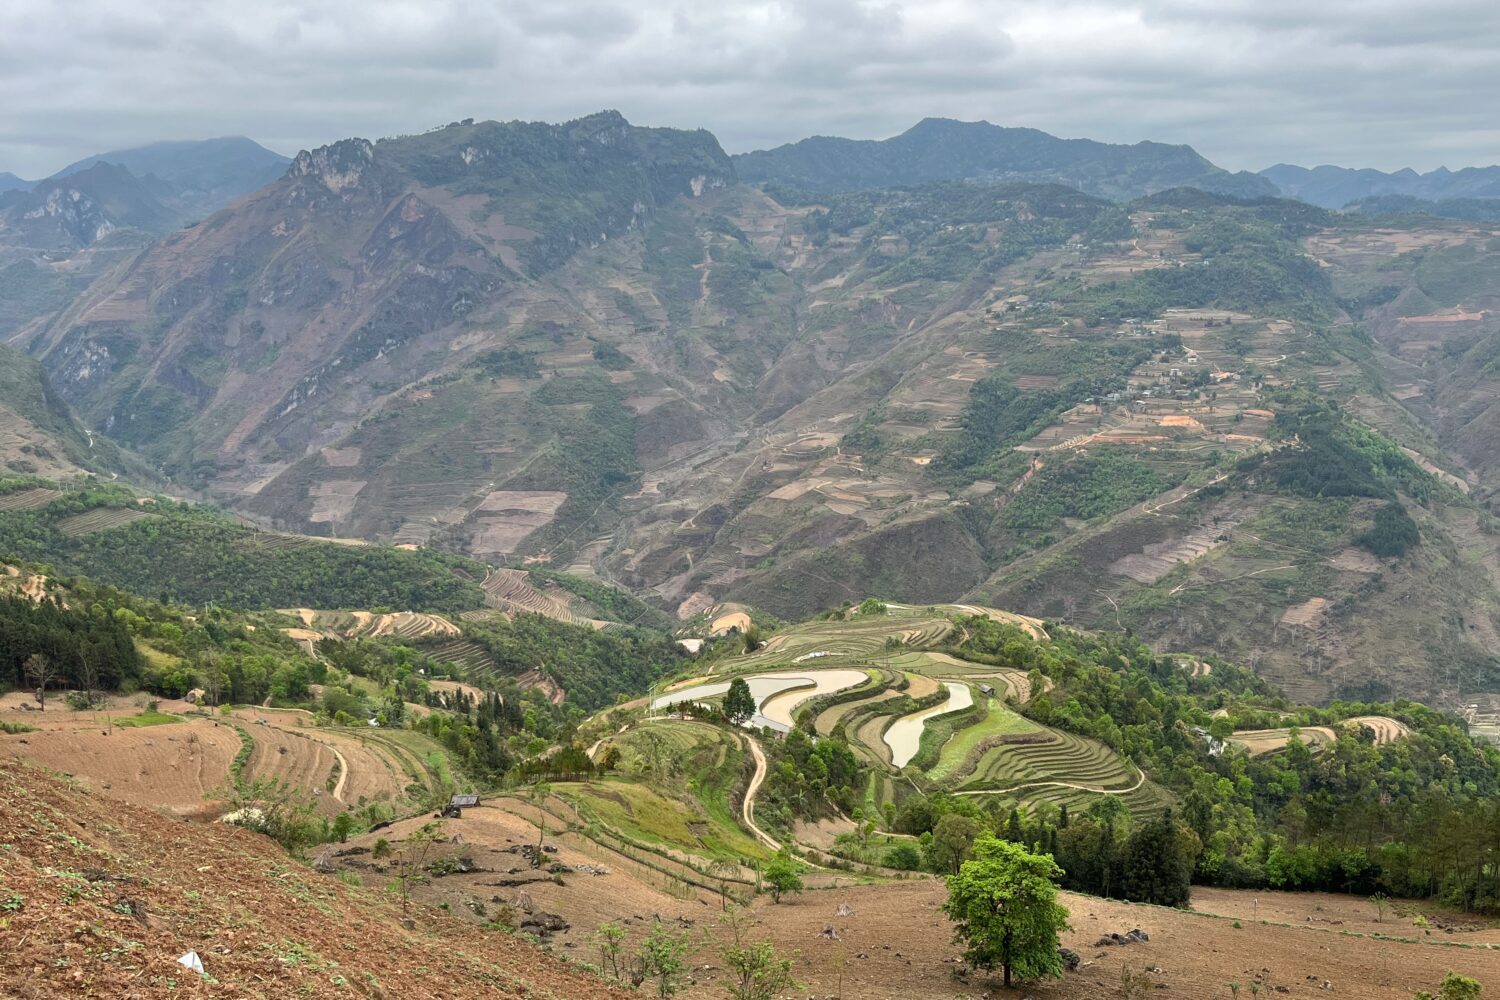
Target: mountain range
[(1335, 187), (1109, 384), (940, 149)]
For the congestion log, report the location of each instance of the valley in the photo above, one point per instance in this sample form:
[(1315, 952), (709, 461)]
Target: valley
[(580, 554)]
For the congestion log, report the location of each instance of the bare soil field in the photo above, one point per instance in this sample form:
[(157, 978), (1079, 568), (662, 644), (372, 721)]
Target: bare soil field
[(173, 767), (298, 760), (506, 517), (1353, 914), (630, 891), (899, 945), (1308, 614)]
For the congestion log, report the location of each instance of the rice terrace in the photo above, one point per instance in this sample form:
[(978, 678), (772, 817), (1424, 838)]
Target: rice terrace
[(587, 560), (914, 712)]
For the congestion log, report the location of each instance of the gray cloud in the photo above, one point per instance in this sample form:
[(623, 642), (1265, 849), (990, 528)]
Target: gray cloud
[(1248, 82)]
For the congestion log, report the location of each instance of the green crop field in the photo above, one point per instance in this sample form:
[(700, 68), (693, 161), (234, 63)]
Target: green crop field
[(999, 722), (1064, 758)]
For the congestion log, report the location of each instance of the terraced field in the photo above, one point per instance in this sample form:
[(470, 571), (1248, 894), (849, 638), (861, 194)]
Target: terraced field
[(366, 624), (28, 499), (468, 655), (1263, 741), (512, 590), (100, 519), (960, 755), (904, 736), (777, 695), (693, 775), (986, 748), (824, 643), (188, 765), (1050, 755)]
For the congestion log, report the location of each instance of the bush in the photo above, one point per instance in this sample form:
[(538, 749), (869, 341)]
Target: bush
[(903, 856), (86, 701)]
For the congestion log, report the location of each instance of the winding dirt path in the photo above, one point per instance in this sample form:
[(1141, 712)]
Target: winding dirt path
[(747, 807), (338, 789)]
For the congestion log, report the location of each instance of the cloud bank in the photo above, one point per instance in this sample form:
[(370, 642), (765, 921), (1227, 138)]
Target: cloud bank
[(1247, 82)]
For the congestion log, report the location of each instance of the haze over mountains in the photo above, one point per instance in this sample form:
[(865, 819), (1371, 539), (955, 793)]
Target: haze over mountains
[(152, 189), (967, 362)]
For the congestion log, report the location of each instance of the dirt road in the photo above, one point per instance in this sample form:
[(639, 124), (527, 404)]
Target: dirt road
[(747, 808)]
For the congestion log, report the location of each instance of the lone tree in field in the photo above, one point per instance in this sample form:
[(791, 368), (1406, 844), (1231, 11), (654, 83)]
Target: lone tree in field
[(739, 703), (39, 671), (783, 874), (1004, 905)]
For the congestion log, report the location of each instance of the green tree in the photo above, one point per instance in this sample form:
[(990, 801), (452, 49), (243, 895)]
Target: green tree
[(609, 937), (343, 825), (783, 874), (1157, 865), (1004, 905), (952, 838), (739, 703)]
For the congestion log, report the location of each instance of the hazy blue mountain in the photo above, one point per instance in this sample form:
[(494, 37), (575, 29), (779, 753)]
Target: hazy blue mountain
[(77, 210), (195, 178), (940, 149), (1335, 187), (10, 182)]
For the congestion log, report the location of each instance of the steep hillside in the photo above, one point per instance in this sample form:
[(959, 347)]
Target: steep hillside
[(237, 347), (939, 149), (103, 897), (39, 435)]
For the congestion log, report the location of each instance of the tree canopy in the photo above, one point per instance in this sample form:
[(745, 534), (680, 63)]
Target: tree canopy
[(1004, 907)]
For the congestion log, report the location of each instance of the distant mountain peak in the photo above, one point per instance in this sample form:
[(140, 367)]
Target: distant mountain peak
[(1331, 186), (944, 149)]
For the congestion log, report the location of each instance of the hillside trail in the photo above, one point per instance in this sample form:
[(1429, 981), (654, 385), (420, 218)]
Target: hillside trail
[(1140, 780), (1155, 511), (747, 807), (338, 789)]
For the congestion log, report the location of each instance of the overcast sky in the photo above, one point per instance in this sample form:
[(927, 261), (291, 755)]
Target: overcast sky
[(1382, 83)]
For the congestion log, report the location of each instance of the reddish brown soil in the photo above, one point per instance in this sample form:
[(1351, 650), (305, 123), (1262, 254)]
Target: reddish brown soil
[(108, 895), (171, 767), (898, 945)]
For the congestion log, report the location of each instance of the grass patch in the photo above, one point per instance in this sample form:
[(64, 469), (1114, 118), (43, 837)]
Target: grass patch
[(999, 721), (147, 718), (647, 815)]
